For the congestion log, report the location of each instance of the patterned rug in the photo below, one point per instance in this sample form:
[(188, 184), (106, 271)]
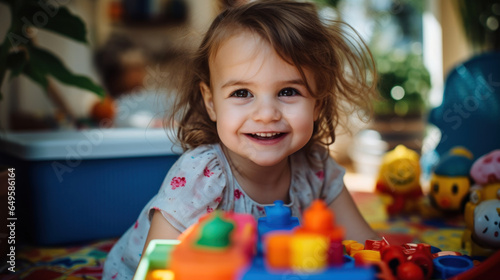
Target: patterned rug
[(71, 262)]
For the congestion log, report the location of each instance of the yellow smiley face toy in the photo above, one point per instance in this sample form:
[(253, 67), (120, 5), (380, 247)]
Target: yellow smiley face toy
[(399, 178)]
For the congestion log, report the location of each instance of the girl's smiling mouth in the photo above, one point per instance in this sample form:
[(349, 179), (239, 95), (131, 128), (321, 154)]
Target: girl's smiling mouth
[(266, 135)]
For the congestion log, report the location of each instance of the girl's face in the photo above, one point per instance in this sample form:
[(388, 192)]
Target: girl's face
[(260, 103)]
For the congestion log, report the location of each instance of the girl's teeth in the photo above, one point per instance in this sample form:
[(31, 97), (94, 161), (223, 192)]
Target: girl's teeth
[(266, 134)]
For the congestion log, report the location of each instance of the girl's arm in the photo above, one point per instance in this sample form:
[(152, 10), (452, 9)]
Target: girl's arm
[(347, 215), (160, 229)]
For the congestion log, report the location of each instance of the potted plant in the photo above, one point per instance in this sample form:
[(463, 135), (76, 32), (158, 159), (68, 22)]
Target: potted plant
[(403, 85), (20, 55), (403, 80)]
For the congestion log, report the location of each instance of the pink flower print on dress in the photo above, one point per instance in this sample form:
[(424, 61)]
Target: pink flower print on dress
[(207, 172), (260, 209), (218, 199), (209, 209), (320, 174), (178, 182), (136, 224), (238, 194)]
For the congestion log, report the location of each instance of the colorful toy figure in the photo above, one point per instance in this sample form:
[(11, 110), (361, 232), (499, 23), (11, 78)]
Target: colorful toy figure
[(450, 181), (482, 213), (399, 178)]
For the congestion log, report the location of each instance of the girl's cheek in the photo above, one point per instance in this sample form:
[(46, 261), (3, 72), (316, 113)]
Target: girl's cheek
[(300, 112)]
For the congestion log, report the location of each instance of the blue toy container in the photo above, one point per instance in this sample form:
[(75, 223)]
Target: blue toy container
[(448, 266), (77, 186)]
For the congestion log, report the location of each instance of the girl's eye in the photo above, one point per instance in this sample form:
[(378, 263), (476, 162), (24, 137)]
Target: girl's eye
[(288, 92), (241, 93)]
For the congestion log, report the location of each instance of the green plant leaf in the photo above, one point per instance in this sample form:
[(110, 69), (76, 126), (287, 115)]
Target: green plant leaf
[(46, 63), (16, 62), (56, 19), (38, 77)]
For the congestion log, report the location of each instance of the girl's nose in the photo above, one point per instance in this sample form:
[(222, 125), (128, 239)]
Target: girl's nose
[(267, 110)]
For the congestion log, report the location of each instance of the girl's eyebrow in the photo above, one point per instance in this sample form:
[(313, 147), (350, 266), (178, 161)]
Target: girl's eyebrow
[(243, 83), (231, 83)]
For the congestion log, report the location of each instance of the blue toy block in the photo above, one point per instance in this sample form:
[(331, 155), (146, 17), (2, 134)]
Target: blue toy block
[(258, 271), (278, 217)]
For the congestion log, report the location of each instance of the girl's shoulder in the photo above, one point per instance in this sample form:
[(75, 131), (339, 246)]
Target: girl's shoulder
[(202, 161), (194, 185), (208, 152)]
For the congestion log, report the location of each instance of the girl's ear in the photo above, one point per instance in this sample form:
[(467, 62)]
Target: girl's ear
[(209, 100)]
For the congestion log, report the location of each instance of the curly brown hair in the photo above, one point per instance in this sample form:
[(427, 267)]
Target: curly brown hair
[(341, 63)]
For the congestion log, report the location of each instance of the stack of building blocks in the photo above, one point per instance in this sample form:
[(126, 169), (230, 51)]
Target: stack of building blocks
[(233, 246)]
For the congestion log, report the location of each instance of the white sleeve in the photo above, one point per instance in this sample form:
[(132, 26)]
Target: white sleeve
[(192, 187)]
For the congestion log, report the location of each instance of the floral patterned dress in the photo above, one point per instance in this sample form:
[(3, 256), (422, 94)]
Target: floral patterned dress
[(200, 182)]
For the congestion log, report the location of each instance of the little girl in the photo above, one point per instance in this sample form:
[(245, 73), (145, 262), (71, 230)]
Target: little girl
[(257, 109)]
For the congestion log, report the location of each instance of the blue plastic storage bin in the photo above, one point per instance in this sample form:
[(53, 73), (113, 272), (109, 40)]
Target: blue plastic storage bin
[(77, 186)]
